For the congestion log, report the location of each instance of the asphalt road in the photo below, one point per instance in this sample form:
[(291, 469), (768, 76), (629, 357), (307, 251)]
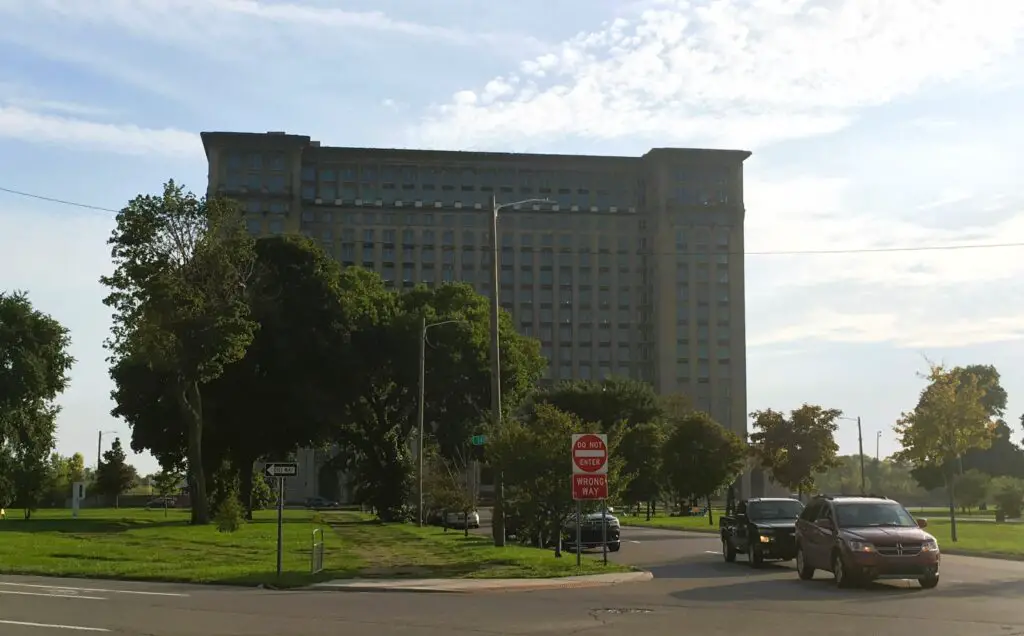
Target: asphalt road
[(693, 590)]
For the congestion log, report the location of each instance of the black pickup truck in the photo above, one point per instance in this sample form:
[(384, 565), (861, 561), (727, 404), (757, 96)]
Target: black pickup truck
[(761, 528)]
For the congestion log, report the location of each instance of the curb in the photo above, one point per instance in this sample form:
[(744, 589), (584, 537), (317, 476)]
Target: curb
[(998, 556), (478, 586)]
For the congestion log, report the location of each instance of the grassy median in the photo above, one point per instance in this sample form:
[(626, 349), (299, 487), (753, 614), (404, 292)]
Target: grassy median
[(146, 545), (977, 532)]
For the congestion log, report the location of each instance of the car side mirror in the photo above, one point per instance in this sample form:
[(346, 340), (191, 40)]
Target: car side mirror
[(824, 524), (922, 523)]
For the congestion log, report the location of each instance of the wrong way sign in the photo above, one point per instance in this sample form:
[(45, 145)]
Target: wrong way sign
[(589, 454)]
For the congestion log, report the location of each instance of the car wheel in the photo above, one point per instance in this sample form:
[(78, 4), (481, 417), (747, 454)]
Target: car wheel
[(843, 576), (929, 582), (614, 547), (805, 571), (754, 557), (728, 551)]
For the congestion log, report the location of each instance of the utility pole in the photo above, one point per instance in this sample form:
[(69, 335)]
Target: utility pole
[(99, 447), (878, 441), (419, 418), (498, 517), (860, 442)]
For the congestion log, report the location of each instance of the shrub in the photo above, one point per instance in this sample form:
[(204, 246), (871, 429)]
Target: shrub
[(230, 514)]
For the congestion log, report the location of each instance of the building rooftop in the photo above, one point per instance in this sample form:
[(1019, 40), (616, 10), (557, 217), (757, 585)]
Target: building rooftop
[(285, 140)]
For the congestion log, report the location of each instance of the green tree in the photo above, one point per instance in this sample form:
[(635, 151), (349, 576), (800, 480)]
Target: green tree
[(444, 489), (972, 489), (1008, 494), (796, 448), (950, 418), (64, 471), (114, 475), (641, 451), (607, 402), (534, 452), (282, 394), (379, 396), (167, 483), (34, 365), (700, 457), (178, 293)]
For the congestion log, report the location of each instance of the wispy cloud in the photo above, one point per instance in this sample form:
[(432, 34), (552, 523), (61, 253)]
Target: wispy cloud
[(40, 127), (730, 72)]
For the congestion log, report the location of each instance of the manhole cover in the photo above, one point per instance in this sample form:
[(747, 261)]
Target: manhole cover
[(624, 610)]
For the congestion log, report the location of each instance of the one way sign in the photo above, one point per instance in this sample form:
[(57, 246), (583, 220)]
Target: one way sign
[(281, 469)]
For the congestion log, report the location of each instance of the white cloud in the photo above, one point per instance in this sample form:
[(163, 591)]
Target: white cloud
[(814, 214), (210, 25), (911, 330), (39, 127), (731, 72)]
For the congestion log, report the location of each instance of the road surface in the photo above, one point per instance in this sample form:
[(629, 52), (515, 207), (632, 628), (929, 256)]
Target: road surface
[(693, 590)]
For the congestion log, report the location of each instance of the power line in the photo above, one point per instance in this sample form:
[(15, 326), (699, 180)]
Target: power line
[(400, 244)]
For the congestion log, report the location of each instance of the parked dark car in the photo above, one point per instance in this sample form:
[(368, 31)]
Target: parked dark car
[(591, 533), (860, 539), (762, 529), (321, 503)]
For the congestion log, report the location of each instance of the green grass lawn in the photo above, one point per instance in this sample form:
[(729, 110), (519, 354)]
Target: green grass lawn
[(146, 545), (974, 533)]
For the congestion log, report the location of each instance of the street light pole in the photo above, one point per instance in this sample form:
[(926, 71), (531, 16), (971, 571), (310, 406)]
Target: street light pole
[(860, 443), (420, 439), (498, 517), (99, 447), (878, 441), (419, 417)]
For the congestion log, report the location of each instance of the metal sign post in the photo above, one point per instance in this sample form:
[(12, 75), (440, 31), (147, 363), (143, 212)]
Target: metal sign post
[(279, 471), (579, 533), (604, 530)]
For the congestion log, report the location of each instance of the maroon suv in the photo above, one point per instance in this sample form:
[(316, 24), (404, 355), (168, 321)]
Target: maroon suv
[(860, 539)]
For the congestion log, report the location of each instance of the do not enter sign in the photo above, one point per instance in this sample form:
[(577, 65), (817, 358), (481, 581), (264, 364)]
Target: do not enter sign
[(589, 454)]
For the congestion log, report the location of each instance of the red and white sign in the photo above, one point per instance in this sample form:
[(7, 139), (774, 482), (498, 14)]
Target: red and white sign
[(589, 454), (589, 487)]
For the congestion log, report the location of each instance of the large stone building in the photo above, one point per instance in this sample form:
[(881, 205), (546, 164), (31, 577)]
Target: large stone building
[(633, 268)]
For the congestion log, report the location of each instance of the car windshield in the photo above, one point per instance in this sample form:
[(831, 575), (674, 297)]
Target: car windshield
[(765, 510), (865, 515)]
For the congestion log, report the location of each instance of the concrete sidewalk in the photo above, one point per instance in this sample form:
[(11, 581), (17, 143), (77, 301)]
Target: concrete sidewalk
[(470, 586)]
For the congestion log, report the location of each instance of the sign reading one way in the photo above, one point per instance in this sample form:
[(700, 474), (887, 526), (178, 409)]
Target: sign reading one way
[(589, 466), (281, 469)]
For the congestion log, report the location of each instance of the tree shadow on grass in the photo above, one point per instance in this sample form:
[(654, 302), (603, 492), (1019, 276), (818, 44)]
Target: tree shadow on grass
[(85, 526)]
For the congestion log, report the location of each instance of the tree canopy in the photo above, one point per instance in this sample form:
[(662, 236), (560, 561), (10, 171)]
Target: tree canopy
[(178, 293), (607, 402), (114, 475), (796, 448), (700, 456), (34, 365)]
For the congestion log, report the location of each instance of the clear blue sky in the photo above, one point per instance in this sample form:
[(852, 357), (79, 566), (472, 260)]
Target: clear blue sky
[(872, 125)]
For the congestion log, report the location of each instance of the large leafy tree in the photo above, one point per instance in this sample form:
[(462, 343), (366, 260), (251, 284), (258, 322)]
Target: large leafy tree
[(178, 293), (380, 364), (641, 452), (607, 402), (282, 394), (535, 453), (950, 418), (114, 475), (700, 457), (795, 448), (34, 365)]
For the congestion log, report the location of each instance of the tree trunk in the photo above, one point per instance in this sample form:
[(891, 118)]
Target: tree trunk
[(245, 477), (711, 515), (648, 510), (191, 407), (951, 489)]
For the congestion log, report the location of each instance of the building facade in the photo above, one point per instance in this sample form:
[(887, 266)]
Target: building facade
[(632, 267)]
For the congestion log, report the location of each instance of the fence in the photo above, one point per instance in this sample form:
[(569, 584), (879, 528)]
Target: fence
[(317, 556)]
